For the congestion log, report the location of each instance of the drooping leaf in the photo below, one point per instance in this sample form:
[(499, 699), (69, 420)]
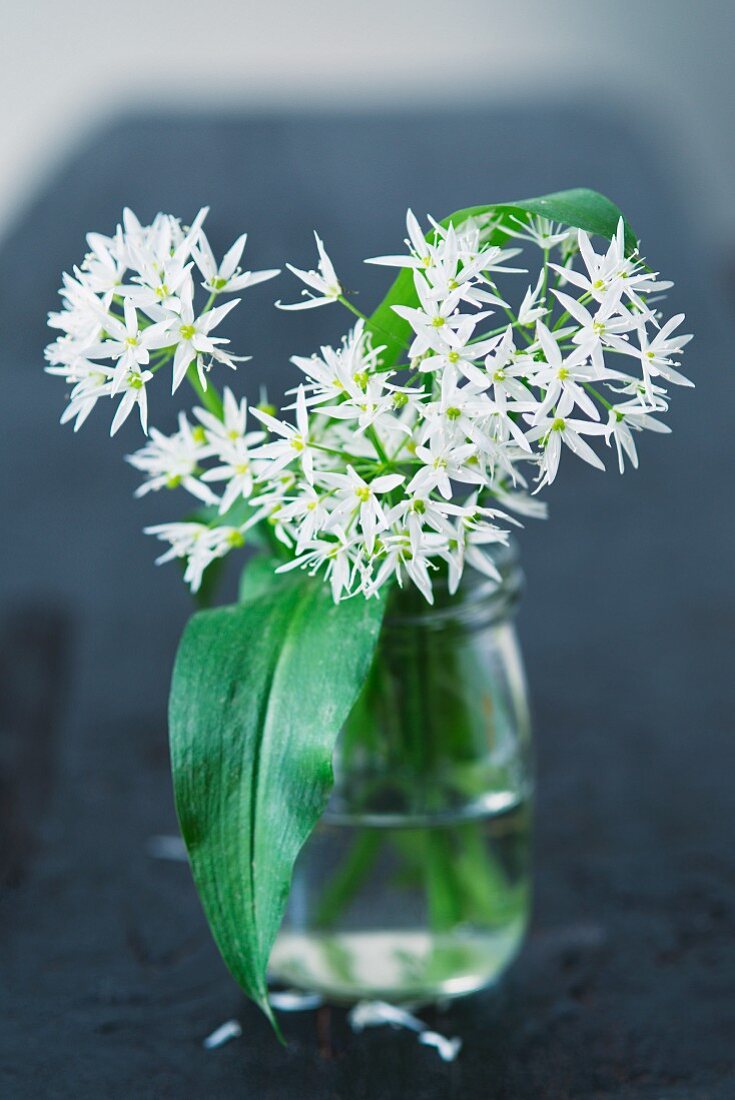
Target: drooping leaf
[(578, 207), (258, 696)]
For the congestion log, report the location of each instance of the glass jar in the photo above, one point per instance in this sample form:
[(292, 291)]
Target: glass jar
[(415, 884)]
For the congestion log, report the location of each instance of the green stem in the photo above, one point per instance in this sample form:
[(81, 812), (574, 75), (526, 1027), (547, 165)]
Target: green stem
[(363, 317), (349, 878), (372, 435), (600, 398), (209, 397)]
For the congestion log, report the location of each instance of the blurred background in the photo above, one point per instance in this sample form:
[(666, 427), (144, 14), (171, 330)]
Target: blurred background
[(288, 117), (663, 64)]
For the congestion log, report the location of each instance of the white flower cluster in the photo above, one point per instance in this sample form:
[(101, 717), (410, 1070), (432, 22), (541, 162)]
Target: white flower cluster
[(128, 310), (388, 470)]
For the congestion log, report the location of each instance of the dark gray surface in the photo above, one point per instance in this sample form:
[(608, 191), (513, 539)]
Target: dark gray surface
[(109, 978)]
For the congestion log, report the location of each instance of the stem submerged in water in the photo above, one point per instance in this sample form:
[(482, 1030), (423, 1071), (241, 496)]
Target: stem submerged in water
[(418, 722)]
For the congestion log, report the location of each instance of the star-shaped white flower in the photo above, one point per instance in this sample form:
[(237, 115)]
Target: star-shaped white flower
[(324, 281), (560, 429), (357, 498), (227, 277), (295, 442), (191, 334)]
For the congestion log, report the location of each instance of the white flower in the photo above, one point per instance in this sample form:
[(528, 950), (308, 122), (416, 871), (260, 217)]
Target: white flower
[(232, 444), (613, 269), (198, 543), (295, 442), (172, 460), (229, 429), (464, 359), (436, 322), (533, 307), (370, 484), (560, 428), (563, 376), (158, 254), (604, 329), (421, 254), (308, 512), (80, 320), (129, 343), (336, 553), (370, 401), (505, 370), (227, 277), (454, 272), (655, 355), (623, 421), (164, 240), (91, 383), (475, 528), (99, 383), (401, 556), (442, 463), (133, 387), (159, 287), (540, 231), (104, 265), (191, 335), (324, 281), (417, 513), (358, 499), (458, 411), (340, 371)]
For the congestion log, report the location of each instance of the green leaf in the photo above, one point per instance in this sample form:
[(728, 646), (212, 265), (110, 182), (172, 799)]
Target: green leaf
[(260, 691), (259, 577), (579, 207)]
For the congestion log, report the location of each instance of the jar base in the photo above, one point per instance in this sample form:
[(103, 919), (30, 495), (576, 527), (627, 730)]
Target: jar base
[(396, 966)]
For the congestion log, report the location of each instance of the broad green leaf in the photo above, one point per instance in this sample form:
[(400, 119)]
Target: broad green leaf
[(259, 577), (260, 691), (579, 207)]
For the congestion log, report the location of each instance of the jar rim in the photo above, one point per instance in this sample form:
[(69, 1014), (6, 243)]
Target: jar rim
[(479, 601)]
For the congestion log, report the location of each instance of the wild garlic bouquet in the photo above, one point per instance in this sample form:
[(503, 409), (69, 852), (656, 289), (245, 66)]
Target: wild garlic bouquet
[(405, 451)]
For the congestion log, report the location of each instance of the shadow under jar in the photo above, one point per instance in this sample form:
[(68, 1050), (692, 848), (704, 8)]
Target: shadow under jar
[(415, 885)]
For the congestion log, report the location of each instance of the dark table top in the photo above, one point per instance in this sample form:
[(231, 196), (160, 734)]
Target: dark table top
[(109, 978)]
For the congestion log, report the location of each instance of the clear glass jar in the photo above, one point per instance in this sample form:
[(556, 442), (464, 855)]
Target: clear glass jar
[(416, 883)]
